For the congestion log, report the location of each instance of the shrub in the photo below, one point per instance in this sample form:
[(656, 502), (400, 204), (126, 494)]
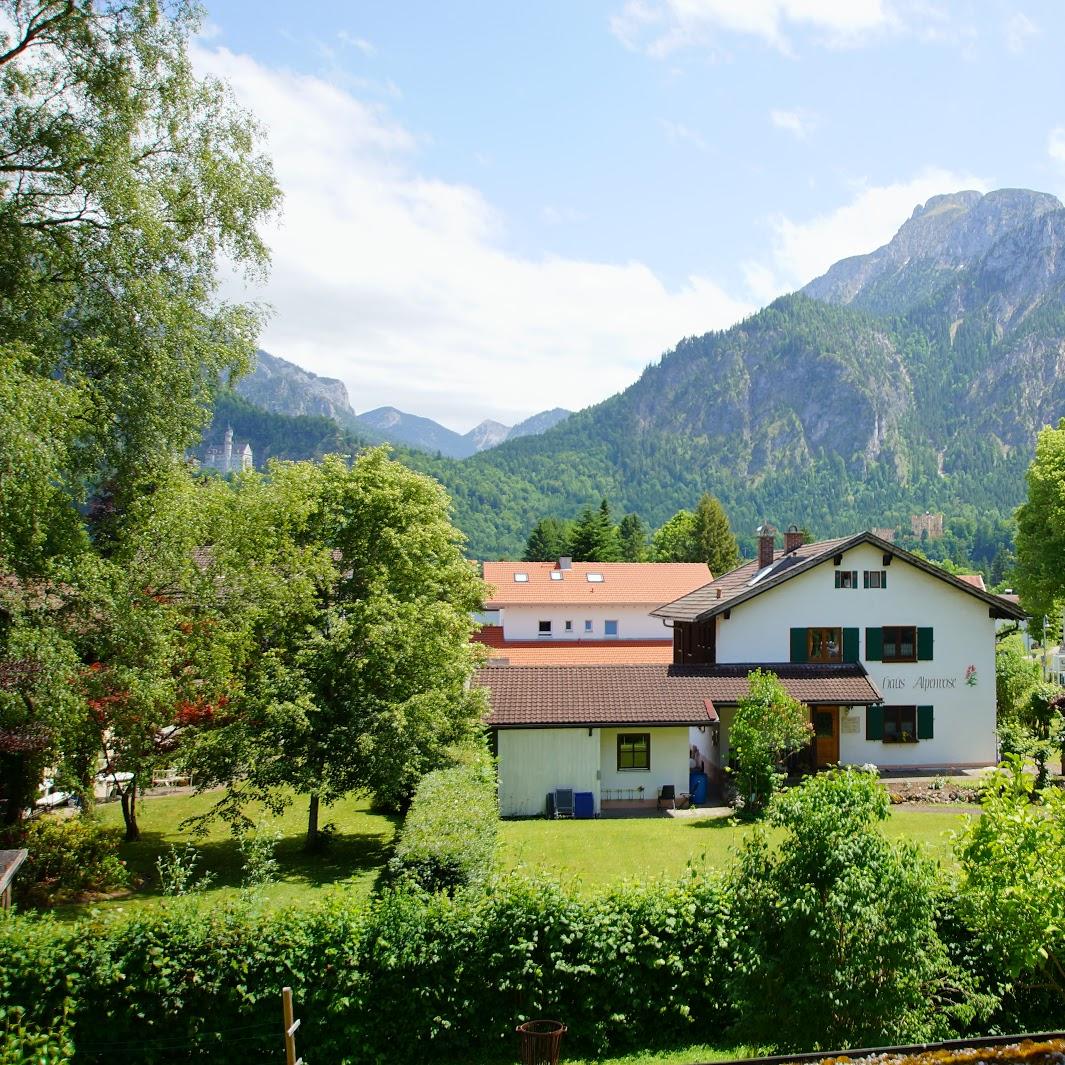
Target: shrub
[(68, 857), (22, 1044), (449, 836), (838, 943), (768, 725)]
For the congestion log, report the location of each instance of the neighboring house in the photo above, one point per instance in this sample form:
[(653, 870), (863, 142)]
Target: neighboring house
[(229, 457), (894, 656), (572, 613)]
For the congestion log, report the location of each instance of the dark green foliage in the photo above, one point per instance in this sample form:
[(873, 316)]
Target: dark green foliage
[(838, 941), (68, 857), (595, 536), (448, 838), (714, 541), (549, 540), (412, 977), (633, 535)]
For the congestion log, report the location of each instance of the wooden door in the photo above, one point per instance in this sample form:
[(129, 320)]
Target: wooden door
[(826, 735)]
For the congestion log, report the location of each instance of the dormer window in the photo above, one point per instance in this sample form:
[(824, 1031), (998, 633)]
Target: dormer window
[(595, 578), (521, 578)]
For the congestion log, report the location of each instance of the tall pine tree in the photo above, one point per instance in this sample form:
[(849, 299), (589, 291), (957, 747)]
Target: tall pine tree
[(713, 536), (548, 540), (595, 536), (633, 535)]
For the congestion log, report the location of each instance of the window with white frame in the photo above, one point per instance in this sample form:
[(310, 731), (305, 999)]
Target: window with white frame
[(545, 628), (610, 628)]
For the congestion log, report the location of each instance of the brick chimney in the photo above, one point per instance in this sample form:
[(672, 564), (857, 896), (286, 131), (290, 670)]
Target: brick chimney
[(767, 536), (792, 539)]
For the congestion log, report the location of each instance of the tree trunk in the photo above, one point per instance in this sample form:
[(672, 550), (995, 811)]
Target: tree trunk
[(312, 823), (129, 812)]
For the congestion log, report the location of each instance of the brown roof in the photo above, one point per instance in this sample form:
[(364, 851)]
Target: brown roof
[(975, 579), (586, 696), (637, 583), (571, 652), (736, 586)]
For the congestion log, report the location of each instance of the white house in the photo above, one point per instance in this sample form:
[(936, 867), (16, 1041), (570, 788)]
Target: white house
[(894, 656), (569, 613)]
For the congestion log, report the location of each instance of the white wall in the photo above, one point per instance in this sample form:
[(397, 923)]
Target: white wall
[(669, 760), (634, 622), (964, 634), (534, 761)]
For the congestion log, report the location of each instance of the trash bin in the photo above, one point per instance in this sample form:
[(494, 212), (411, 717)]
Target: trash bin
[(541, 1041), (583, 804), (698, 785)]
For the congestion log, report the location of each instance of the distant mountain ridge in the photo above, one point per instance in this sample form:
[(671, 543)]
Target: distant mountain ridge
[(282, 387)]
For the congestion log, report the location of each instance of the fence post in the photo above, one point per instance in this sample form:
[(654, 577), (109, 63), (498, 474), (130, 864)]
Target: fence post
[(290, 1028)]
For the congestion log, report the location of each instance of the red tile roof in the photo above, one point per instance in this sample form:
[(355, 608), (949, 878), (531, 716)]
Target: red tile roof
[(975, 579), (738, 585), (587, 696), (572, 652), (637, 583)]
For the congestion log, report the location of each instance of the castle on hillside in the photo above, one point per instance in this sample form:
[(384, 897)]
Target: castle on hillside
[(927, 523), (229, 457)]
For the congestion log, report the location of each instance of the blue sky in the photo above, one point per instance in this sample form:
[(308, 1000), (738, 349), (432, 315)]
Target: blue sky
[(496, 208)]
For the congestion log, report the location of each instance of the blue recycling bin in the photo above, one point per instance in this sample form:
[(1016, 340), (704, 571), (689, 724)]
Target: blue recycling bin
[(698, 787), (583, 804)]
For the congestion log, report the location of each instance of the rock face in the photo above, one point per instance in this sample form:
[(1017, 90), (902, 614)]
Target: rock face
[(539, 423), (282, 387)]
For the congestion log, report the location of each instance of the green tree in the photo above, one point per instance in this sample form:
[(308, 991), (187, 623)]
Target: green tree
[(838, 943), (713, 536), (357, 672), (595, 536), (633, 535), (1015, 676), (768, 726), (1041, 529), (675, 540), (548, 541)]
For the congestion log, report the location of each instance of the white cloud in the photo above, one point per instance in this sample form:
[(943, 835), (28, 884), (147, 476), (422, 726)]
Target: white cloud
[(678, 133), (401, 285), (361, 44), (799, 123), (804, 250), (1019, 28), (1056, 145), (660, 27)]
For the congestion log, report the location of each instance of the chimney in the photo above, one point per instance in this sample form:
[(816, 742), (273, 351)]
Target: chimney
[(792, 539), (767, 536), (565, 562)]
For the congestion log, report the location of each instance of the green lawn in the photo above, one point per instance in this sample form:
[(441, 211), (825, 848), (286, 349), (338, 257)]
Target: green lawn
[(352, 861), (601, 853)]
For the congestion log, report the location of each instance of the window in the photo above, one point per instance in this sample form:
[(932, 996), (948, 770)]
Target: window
[(875, 578), (900, 724), (587, 626), (824, 723), (846, 578), (610, 628), (595, 578), (900, 643), (634, 750), (556, 575), (824, 645), (569, 626), (521, 578), (545, 628)]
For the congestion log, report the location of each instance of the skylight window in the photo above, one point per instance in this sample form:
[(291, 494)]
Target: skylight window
[(556, 575), (521, 578), (595, 578)]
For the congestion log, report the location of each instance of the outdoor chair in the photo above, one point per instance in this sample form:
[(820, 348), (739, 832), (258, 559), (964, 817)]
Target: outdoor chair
[(563, 802), (667, 794)]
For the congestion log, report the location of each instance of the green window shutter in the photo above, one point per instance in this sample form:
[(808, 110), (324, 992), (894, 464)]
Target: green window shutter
[(874, 645), (865, 578), (874, 723), (837, 573), (850, 645), (883, 578), (798, 645), (924, 722), (924, 645), (854, 579)]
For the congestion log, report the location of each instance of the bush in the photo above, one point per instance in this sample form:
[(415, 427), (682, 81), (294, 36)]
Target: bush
[(837, 928), (68, 857), (449, 836), (409, 978)]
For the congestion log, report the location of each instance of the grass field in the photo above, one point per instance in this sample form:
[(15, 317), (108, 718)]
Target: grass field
[(590, 854), (600, 853)]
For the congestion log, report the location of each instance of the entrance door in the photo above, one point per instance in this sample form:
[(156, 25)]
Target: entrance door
[(826, 735)]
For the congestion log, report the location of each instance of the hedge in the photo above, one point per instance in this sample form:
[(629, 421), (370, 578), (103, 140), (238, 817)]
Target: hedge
[(448, 838), (406, 978)]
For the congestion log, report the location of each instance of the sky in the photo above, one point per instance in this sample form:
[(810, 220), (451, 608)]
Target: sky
[(497, 208)]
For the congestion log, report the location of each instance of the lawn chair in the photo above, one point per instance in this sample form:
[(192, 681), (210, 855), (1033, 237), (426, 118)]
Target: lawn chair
[(563, 802), (667, 793)]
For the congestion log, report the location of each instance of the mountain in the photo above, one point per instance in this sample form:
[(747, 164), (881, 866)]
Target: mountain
[(911, 378), (282, 387), (538, 423)]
